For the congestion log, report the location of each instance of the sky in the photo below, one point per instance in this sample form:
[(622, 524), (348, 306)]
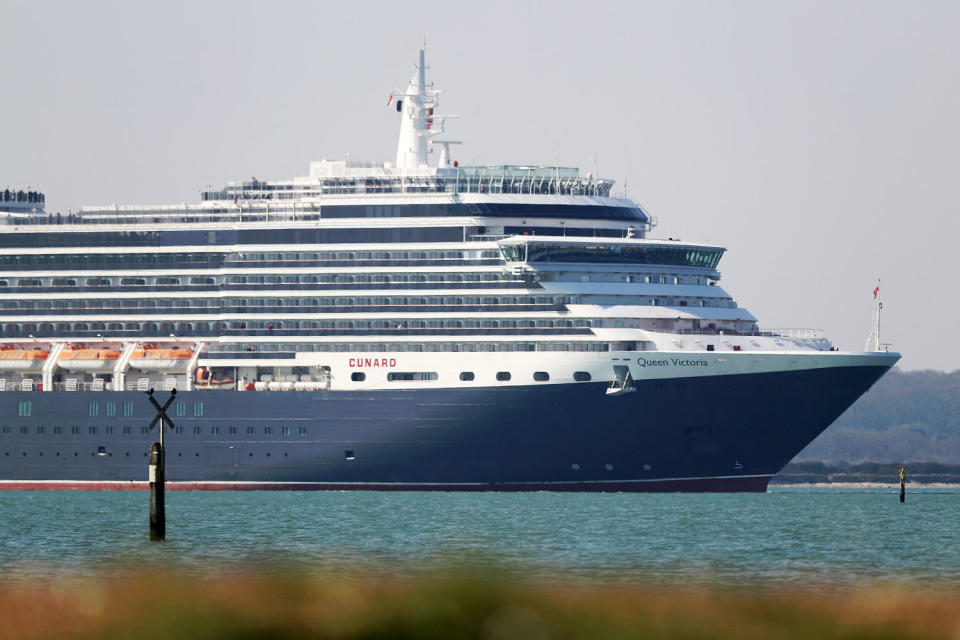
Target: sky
[(817, 141)]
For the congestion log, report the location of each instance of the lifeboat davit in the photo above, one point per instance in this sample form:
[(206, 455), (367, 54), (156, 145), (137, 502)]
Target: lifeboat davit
[(14, 359), (80, 359), (150, 358)]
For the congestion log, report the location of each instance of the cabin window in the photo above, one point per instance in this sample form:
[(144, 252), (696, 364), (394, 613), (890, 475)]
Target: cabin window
[(541, 376), (503, 376), (268, 431), (581, 376), (111, 409), (466, 376), (303, 431), (397, 376), (348, 455), (25, 408), (198, 409), (232, 431), (196, 431), (93, 408), (358, 376), (41, 431)]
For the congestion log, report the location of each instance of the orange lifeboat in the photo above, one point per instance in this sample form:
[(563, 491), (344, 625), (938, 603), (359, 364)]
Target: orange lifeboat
[(149, 358), (14, 359), (77, 358)]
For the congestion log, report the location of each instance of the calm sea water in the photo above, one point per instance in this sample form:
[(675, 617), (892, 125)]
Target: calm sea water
[(788, 536)]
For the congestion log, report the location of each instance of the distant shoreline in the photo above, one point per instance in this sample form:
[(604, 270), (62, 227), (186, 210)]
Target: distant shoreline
[(893, 486)]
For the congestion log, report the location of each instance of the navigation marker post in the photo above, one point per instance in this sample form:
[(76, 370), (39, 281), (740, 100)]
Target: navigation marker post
[(157, 469), (903, 484)]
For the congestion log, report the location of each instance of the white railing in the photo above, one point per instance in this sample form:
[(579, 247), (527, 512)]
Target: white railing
[(797, 334)]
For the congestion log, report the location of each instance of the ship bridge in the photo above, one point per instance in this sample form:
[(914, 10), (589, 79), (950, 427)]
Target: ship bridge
[(520, 250)]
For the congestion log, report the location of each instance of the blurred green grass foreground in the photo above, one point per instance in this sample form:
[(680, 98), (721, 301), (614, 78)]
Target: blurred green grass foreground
[(148, 607)]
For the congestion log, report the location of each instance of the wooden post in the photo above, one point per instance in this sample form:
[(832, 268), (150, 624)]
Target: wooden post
[(158, 515), (903, 485)]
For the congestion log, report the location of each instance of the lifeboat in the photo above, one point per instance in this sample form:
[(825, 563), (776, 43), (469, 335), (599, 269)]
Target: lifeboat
[(80, 359), (149, 358), (15, 359)]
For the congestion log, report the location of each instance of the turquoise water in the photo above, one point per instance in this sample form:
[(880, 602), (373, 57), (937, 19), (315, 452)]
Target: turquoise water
[(789, 536)]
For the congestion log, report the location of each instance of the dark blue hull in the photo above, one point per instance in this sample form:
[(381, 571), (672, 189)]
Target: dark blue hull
[(728, 432)]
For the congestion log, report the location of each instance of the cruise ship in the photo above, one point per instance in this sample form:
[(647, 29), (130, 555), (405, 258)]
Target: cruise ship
[(408, 325)]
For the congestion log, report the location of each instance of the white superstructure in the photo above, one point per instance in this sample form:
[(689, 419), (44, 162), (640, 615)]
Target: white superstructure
[(419, 272)]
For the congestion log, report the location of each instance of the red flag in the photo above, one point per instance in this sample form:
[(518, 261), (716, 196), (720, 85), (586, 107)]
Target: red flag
[(876, 290), (390, 100)]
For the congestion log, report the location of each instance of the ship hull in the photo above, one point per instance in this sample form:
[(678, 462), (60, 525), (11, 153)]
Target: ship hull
[(709, 433)]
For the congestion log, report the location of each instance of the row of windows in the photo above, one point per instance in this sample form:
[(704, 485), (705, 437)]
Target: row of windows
[(102, 451), (447, 280), (160, 282), (230, 350), (465, 376), (110, 409), (73, 238), (195, 260), (129, 431), (232, 304), (296, 328)]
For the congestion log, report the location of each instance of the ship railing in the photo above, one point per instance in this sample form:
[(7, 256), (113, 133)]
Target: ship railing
[(794, 334), (72, 384)]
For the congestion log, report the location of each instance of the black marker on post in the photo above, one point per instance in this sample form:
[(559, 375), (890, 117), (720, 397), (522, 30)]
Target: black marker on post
[(157, 469)]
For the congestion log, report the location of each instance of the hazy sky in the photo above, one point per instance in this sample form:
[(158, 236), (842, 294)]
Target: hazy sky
[(817, 141)]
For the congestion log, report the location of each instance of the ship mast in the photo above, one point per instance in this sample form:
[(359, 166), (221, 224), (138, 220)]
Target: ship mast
[(419, 122), (412, 145)]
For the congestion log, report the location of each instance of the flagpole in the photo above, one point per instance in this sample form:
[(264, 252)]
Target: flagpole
[(879, 308), (875, 330)]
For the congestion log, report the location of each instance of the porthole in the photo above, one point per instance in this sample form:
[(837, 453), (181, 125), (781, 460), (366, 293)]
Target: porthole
[(541, 376), (358, 376), (503, 376), (608, 467), (575, 466), (466, 376), (647, 467), (581, 376)]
